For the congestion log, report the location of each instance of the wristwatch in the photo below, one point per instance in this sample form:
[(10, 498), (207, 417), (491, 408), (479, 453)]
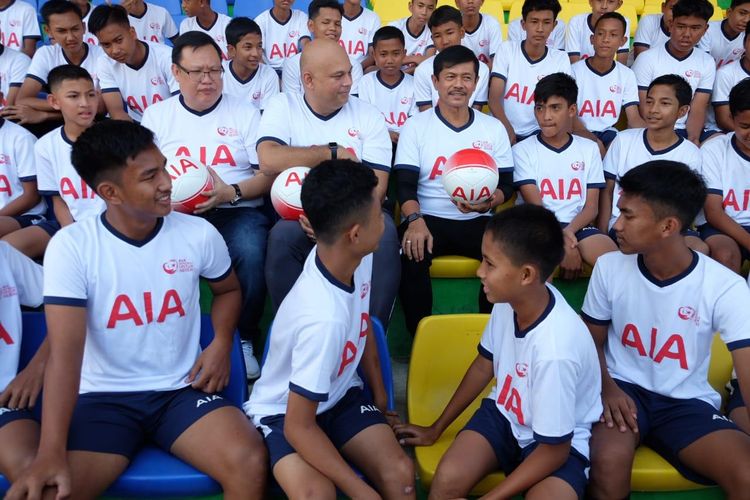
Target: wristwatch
[(237, 195), (334, 147), (412, 217)]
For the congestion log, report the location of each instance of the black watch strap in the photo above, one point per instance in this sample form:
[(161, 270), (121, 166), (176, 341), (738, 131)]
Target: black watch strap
[(334, 147), (237, 194), (412, 217)]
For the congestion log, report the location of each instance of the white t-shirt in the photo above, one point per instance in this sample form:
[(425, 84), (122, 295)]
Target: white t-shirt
[(698, 69), (601, 96), (57, 176), (552, 364), (291, 75), (48, 57), (396, 102), (222, 137), (318, 339), (727, 77), (630, 149), (154, 25), (357, 33), (578, 37), (660, 331), (485, 40), (258, 88), (20, 284), (13, 68), (281, 40), (722, 48), (521, 75), (216, 31), (357, 126), (89, 37), (726, 171), (17, 164), (416, 43), (426, 93), (651, 31), (428, 140), (18, 22), (562, 176), (141, 86), (556, 40), (141, 298)]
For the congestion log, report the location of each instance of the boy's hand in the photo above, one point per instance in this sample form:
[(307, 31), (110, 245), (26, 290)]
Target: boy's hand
[(23, 391), (415, 435), (23, 114), (43, 472), (392, 418), (211, 368), (619, 409)]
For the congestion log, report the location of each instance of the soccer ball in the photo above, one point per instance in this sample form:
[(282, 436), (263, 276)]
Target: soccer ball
[(190, 178), (470, 176), (286, 192)]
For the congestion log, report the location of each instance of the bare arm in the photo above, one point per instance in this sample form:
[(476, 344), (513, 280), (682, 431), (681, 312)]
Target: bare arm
[(370, 364), (637, 49), (605, 206), (718, 218), (26, 201), (496, 97), (62, 212), (275, 158), (113, 105), (29, 46), (741, 361), (622, 57), (28, 93), (634, 117), (12, 95), (574, 59), (697, 116), (724, 117)]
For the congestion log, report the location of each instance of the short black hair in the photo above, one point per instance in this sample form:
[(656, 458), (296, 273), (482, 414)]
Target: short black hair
[(336, 194), (617, 17), (529, 234), (314, 8), (737, 3), (556, 85), (682, 89), (65, 72), (239, 27), (671, 188), (53, 7), (104, 15), (739, 97), (458, 54), (193, 40), (696, 8), (538, 5), (103, 149), (388, 33), (443, 15)]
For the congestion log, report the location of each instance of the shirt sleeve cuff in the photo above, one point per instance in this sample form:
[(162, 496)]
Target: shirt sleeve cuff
[(552, 439), (595, 321), (312, 396), (51, 300), (484, 352)]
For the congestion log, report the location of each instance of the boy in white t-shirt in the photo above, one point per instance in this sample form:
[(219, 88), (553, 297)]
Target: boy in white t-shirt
[(536, 422), (727, 77), (284, 31), (653, 29), (563, 173), (21, 282), (19, 28), (358, 26), (556, 39), (245, 75), (202, 18), (13, 68), (653, 311), (580, 30), (134, 73), (416, 33), (723, 39), (121, 293), (152, 23), (482, 33)]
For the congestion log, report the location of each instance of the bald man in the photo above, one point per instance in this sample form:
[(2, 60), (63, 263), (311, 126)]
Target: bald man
[(305, 129)]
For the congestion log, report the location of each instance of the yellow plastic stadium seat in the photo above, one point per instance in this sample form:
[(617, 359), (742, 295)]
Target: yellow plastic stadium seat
[(719, 14), (454, 266), (507, 4), (515, 10), (629, 13), (391, 10), (494, 8), (570, 10), (651, 8)]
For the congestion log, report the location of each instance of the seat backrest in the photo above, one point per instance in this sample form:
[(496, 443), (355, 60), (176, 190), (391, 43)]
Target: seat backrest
[(720, 369), (251, 8), (220, 6), (391, 10), (174, 7), (494, 8), (515, 10), (444, 348)]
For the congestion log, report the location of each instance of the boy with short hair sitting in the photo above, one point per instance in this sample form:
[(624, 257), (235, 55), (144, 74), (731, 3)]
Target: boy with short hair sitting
[(727, 77), (152, 22), (653, 29), (482, 33), (416, 33), (284, 31), (581, 29), (723, 39), (201, 17)]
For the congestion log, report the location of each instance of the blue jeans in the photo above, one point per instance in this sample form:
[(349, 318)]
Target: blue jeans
[(245, 231)]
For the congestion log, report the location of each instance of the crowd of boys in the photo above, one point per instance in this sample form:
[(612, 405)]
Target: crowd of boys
[(633, 163)]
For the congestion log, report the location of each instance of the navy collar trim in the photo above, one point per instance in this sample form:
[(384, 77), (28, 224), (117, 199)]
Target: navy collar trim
[(361, 11), (145, 9), (591, 68), (737, 149), (200, 113), (724, 33), (588, 22), (65, 136), (282, 23), (660, 151), (447, 123), (325, 118), (412, 34), (552, 148), (85, 49), (240, 80), (331, 279), (663, 26), (526, 55), (671, 281), (742, 66), (145, 58), (680, 59), (522, 333), (130, 241), (481, 18), (390, 87), (207, 28)]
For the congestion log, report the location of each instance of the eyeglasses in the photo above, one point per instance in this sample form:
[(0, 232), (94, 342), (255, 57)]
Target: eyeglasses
[(197, 75)]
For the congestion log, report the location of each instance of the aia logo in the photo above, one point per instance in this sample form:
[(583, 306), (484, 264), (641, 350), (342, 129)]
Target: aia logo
[(220, 38), (170, 266), (406, 100), (5, 159), (615, 89), (155, 26), (688, 314), (158, 80), (484, 43), (364, 290), (482, 145), (737, 51), (578, 165), (257, 95), (522, 369), (227, 132), (539, 77), (353, 132), (14, 22), (173, 266), (293, 34), (693, 73), (362, 31)]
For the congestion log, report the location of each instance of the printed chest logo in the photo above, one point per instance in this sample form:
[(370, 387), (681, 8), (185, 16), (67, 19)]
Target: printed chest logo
[(693, 73), (615, 89), (480, 144), (227, 132), (364, 290), (688, 313), (5, 159), (155, 26), (578, 165), (353, 132), (293, 34), (177, 266), (484, 43), (257, 95), (522, 369), (158, 80)]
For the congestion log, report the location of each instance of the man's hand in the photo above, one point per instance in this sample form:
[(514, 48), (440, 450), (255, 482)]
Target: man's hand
[(23, 114), (211, 368), (306, 227), (417, 240), (415, 435), (221, 193), (44, 472), (23, 391), (619, 408), (480, 208)]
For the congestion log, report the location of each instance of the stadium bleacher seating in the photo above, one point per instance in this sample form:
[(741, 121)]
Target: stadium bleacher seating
[(251, 8)]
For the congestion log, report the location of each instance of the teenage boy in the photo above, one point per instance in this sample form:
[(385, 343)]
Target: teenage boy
[(723, 39), (518, 66), (556, 39), (680, 56), (538, 350), (653, 310), (726, 169), (389, 89), (143, 375), (430, 219), (134, 72), (727, 77), (13, 68), (482, 33), (284, 31), (309, 401), (152, 23), (86, 10), (324, 22), (65, 27), (447, 31), (653, 29), (581, 29), (21, 280), (563, 173), (605, 86), (19, 28), (667, 99), (245, 75), (416, 33), (358, 25), (202, 18)]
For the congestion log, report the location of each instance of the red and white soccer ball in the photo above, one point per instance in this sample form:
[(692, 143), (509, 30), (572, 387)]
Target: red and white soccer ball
[(190, 178), (470, 176), (286, 192)]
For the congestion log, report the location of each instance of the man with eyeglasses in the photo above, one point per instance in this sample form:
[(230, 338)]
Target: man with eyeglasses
[(220, 130)]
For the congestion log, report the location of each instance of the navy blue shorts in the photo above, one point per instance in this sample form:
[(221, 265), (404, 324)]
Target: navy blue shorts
[(707, 230), (28, 220), (606, 136), (735, 396), (584, 232), (705, 134), (347, 418), (49, 226), (491, 425), (8, 415), (668, 424), (121, 422)]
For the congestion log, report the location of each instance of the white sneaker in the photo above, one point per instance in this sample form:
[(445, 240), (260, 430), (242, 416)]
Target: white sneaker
[(251, 364)]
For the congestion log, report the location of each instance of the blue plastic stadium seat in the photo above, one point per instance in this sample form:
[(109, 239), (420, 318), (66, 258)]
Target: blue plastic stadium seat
[(220, 6), (252, 8)]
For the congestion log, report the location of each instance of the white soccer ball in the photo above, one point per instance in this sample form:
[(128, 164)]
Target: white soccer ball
[(190, 178), (470, 176), (286, 192)]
